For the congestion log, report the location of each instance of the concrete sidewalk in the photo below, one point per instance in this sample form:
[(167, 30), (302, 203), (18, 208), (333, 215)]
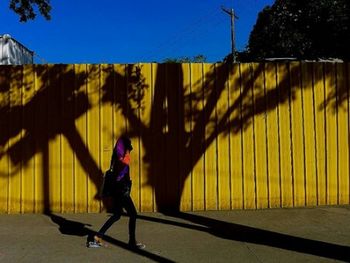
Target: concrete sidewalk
[(277, 235)]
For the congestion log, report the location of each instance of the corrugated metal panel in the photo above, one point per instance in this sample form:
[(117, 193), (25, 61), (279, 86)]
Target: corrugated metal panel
[(272, 139), (309, 134), (319, 105), (331, 137), (343, 132), (286, 179), (205, 136), (235, 133)]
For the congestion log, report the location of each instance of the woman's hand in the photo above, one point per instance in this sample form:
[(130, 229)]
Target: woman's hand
[(126, 159)]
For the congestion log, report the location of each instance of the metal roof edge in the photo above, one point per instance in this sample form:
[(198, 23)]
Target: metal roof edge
[(19, 43)]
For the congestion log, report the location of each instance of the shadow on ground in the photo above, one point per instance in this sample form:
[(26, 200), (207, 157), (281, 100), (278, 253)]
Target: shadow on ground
[(220, 229), (69, 227), (241, 233)]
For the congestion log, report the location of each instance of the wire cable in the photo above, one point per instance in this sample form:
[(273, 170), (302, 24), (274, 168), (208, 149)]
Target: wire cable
[(197, 25)]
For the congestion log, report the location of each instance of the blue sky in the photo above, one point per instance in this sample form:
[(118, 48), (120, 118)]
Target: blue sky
[(112, 31)]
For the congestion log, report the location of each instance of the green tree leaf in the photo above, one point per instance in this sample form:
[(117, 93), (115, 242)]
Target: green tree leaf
[(27, 9)]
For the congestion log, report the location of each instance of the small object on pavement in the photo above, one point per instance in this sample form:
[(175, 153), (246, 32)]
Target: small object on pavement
[(93, 244)]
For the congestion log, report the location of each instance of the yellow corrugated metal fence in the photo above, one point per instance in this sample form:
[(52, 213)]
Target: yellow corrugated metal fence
[(205, 136)]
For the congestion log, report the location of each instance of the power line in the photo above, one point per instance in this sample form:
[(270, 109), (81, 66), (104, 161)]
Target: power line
[(188, 31), (192, 36)]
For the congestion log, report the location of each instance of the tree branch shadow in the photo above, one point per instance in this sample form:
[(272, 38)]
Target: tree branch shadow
[(182, 149), (242, 233), (56, 99)]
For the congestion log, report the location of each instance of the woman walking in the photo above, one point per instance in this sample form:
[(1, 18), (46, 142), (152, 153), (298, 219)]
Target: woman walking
[(120, 186)]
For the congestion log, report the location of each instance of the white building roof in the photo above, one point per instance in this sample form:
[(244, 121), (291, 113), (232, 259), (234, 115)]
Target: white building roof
[(13, 52)]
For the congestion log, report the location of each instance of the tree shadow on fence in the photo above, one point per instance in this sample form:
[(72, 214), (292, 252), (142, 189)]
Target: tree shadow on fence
[(171, 150), (55, 100)]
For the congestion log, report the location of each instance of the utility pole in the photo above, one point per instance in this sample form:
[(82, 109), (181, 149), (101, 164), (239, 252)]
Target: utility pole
[(231, 13)]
